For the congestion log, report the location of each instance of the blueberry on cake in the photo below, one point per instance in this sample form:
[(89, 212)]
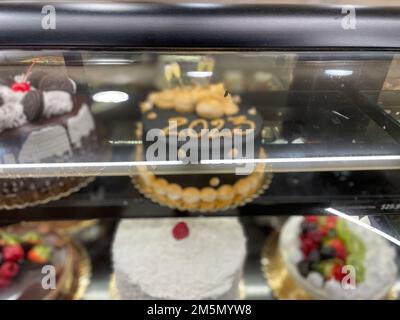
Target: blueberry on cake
[(169, 258), (43, 120), (193, 123), (330, 258)]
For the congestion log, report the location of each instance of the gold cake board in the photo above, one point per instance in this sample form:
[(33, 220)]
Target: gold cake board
[(79, 279), (46, 199), (238, 201), (278, 278), (203, 207)]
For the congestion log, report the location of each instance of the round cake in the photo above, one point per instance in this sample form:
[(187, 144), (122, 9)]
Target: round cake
[(330, 258), (43, 120), (25, 255), (212, 116), (169, 258)]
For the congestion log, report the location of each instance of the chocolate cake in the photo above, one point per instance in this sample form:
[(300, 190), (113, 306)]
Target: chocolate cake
[(25, 254), (43, 120), (211, 115)]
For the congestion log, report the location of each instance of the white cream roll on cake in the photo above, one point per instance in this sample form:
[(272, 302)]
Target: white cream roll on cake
[(174, 258)]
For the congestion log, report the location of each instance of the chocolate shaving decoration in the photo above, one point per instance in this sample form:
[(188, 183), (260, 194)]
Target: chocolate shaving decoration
[(33, 105), (55, 81), (1, 101), (35, 77)]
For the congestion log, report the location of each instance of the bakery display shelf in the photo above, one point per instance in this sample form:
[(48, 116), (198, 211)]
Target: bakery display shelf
[(255, 284), (356, 193), (98, 240)]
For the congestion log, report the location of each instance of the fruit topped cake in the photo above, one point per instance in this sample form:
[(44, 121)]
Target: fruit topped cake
[(193, 123), (43, 120), (331, 258), (25, 256)]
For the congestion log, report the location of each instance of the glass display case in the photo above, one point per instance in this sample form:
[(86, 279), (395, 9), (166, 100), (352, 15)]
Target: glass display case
[(199, 151)]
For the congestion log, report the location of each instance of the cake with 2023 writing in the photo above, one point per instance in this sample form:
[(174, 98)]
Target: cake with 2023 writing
[(42, 120), (170, 258), (211, 115), (330, 258)]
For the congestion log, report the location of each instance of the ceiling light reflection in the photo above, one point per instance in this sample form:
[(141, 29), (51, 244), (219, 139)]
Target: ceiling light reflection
[(110, 61), (343, 159), (199, 74), (110, 96), (338, 72)]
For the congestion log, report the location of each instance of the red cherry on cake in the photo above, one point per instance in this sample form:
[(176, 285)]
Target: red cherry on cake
[(180, 231), (20, 87)]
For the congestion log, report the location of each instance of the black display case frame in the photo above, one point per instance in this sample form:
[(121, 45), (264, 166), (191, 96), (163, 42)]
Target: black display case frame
[(189, 26)]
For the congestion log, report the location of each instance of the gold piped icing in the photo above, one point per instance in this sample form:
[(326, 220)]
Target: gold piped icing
[(209, 102)]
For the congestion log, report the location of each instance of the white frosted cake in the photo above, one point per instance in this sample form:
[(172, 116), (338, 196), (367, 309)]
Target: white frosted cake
[(170, 258), (315, 250)]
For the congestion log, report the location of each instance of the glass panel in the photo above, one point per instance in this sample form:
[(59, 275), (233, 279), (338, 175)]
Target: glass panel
[(310, 111), (323, 141), (319, 119)]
